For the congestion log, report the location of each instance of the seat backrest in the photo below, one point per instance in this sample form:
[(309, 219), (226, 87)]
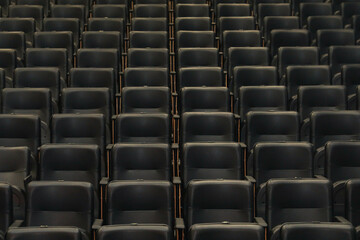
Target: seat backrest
[(20, 130), (64, 24), (14, 40), (150, 11), (33, 233), (145, 100), (108, 39), (320, 98), (34, 101), (106, 24), (349, 9), (271, 127), (192, 10), (282, 160), (142, 128), (191, 39), (8, 62), (6, 208), (308, 9), (323, 122), (141, 39), (79, 129), (279, 22), (200, 76), (334, 37), (212, 161), (341, 55), (288, 38), (99, 58), (128, 232), (70, 163), (153, 207), (149, 24), (231, 201), (15, 165), (70, 11), (247, 56), (352, 199), (323, 22), (192, 24), (28, 11), (205, 99), (140, 161), (261, 98), (146, 76), (63, 39), (296, 56), (349, 73), (306, 200), (198, 57), (253, 76), (45, 57), (341, 162), (143, 57), (329, 231), (38, 77), (87, 100), (93, 77), (231, 230), (240, 38), (272, 9), (232, 9), (306, 75), (207, 127), (26, 25), (56, 203)]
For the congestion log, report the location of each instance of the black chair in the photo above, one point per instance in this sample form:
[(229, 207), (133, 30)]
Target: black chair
[(308, 9), (146, 76), (142, 128), (200, 76)]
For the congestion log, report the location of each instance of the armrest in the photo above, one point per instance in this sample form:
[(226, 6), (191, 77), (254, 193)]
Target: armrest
[(109, 147), (179, 223), (319, 154), (27, 179), (177, 180), (172, 54), (342, 220), (104, 181), (336, 80), (304, 130), (113, 117), (237, 116), (250, 179), (97, 224), (16, 224), (118, 95), (324, 59), (293, 102), (174, 146), (351, 99), (260, 221), (243, 145), (174, 94), (320, 177)]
